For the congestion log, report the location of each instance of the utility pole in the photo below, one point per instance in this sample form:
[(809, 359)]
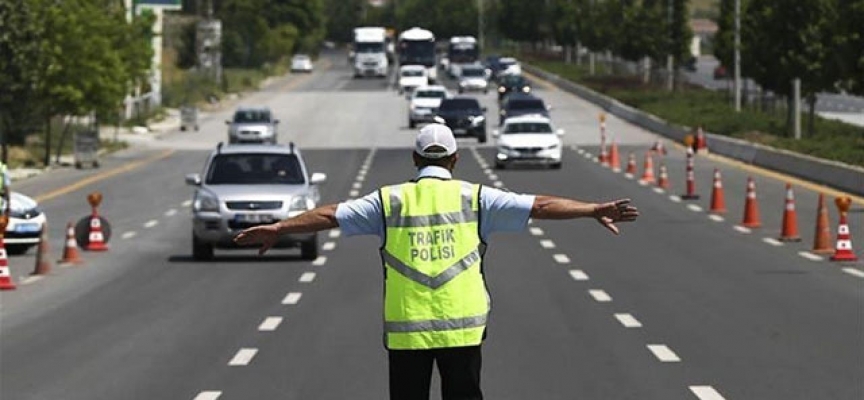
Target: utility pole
[(737, 78), (670, 59)]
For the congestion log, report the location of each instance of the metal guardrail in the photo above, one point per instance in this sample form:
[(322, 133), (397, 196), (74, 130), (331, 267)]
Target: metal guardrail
[(838, 175)]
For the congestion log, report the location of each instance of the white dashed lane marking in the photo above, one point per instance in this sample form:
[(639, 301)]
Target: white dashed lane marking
[(854, 272), (307, 277), (187, 203), (171, 212), (354, 193), (321, 260), (361, 177), (292, 298), (772, 241), (561, 258), (706, 393), (628, 321), (270, 324), (128, 235), (547, 244), (659, 190), (208, 395), (743, 229), (151, 223), (493, 177), (31, 279), (600, 295), (694, 208), (356, 185), (578, 274), (328, 246), (335, 233), (243, 357), (716, 218), (536, 231), (810, 256), (663, 353), (675, 199)]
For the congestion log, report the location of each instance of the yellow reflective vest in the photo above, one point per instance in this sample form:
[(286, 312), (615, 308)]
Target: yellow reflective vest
[(434, 293)]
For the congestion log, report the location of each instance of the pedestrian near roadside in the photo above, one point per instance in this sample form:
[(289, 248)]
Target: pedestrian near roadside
[(434, 231)]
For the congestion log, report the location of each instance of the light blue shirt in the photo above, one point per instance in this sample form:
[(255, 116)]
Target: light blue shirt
[(500, 211)]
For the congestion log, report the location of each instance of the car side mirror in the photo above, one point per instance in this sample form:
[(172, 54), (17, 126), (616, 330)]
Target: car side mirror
[(496, 133), (560, 132), (317, 178), (193, 180)]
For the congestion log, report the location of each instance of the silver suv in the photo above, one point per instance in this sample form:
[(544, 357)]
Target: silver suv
[(250, 185), (252, 124)]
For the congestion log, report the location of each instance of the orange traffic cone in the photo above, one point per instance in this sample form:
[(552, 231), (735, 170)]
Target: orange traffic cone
[(659, 148), (789, 232), (70, 251), (5, 274), (43, 266), (603, 158), (631, 164), (751, 207), (822, 239), (663, 182), (701, 142), (691, 178), (843, 249), (614, 158), (648, 170), (718, 200), (96, 240)]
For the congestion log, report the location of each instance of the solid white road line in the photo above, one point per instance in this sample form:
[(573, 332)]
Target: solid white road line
[(743, 229), (292, 298), (675, 199), (694, 208), (243, 357), (547, 244), (706, 393), (772, 241), (129, 235), (561, 259), (716, 218), (270, 324), (600, 295), (151, 223), (854, 272), (307, 277), (171, 212), (328, 246), (663, 353), (187, 203), (810, 256), (319, 261), (578, 275), (536, 231), (208, 395), (334, 233), (628, 321)]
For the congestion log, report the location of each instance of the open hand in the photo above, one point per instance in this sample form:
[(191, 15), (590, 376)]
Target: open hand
[(615, 211), (266, 235)]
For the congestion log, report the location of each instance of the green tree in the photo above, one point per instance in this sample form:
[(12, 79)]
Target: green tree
[(524, 21), (849, 56), (445, 18)]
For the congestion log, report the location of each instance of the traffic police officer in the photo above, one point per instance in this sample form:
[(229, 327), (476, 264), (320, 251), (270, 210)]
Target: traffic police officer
[(434, 231)]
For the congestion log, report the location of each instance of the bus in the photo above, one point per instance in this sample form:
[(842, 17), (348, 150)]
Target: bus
[(461, 50), (417, 47)]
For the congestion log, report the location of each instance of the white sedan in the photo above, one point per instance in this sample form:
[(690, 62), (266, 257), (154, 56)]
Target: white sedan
[(25, 223), (412, 76), (301, 63), (424, 103), (528, 139)]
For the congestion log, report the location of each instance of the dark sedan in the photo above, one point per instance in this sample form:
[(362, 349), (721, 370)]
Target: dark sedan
[(521, 104), (464, 116), (512, 84)]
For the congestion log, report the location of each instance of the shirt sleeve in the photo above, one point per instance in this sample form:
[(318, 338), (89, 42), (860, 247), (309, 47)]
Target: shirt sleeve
[(361, 216), (502, 211)]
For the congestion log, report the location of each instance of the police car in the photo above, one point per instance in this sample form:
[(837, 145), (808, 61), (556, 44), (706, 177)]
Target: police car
[(25, 223)]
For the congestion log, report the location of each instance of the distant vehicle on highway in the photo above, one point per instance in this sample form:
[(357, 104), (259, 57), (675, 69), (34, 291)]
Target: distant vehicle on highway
[(245, 186), (508, 65), (512, 84), (424, 103), (528, 139), (464, 116), (252, 125), (370, 52), (461, 51), (416, 46), (411, 77), (25, 223), (301, 63), (518, 104), (473, 78)]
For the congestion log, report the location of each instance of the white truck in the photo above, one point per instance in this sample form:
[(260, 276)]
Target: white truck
[(370, 52), (417, 47)]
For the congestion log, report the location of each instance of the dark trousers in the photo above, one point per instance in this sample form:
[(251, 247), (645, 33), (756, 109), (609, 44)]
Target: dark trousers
[(459, 367)]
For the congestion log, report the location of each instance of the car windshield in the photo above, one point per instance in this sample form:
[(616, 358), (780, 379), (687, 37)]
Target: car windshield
[(429, 94), (251, 116), (412, 72), (528, 127), (460, 104), (526, 105), (367, 47), (255, 169), (506, 63), (301, 58), (473, 72), (512, 80)]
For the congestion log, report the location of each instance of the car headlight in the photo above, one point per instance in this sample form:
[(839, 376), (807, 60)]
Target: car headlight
[(205, 202), (412, 106), (526, 89), (463, 83), (301, 203), (478, 120), (501, 89)]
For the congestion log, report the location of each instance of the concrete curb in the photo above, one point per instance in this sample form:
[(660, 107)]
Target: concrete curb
[(841, 176)]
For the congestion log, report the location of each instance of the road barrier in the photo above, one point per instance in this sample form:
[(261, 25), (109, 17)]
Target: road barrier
[(835, 174)]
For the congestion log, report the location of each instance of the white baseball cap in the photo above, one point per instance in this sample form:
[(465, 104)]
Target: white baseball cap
[(435, 141)]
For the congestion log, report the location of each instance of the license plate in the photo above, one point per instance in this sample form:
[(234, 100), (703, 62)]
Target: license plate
[(253, 218), (27, 228)]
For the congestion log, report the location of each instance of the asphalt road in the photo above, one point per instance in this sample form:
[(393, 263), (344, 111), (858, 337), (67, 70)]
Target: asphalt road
[(679, 306)]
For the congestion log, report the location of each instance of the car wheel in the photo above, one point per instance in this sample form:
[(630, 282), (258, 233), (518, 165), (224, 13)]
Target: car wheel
[(482, 137), (17, 249), (201, 251), (309, 249), (500, 165), (411, 123), (556, 165)]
